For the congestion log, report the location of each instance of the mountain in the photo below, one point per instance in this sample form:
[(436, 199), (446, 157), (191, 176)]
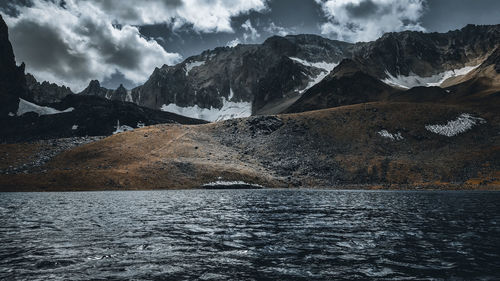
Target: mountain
[(429, 55), (45, 92), (95, 89), (347, 84), (408, 67), (12, 80), (268, 78), (236, 82)]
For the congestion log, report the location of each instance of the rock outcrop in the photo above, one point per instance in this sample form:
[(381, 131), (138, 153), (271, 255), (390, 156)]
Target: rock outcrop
[(79, 116), (45, 92), (12, 80)]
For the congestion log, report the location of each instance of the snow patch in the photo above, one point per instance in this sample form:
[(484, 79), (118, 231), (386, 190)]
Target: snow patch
[(386, 134), (460, 125), (230, 183), (321, 65), (233, 43), (190, 65), (74, 127), (26, 106), (11, 114), (229, 110), (128, 97), (313, 80), (122, 128), (413, 80)]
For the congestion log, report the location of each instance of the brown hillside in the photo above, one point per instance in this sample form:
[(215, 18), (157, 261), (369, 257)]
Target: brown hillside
[(337, 147)]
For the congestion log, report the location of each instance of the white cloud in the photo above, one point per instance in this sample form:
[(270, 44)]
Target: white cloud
[(366, 20), (250, 31), (275, 29), (204, 15)]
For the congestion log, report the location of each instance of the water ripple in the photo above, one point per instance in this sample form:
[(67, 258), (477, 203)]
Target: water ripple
[(250, 235)]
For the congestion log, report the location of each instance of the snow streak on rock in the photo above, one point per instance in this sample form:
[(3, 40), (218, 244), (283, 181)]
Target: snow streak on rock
[(386, 134), (324, 66), (229, 110), (122, 128), (413, 80), (193, 64), (26, 106), (460, 125)]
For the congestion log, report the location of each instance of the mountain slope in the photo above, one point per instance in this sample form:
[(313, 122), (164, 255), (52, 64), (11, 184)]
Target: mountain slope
[(79, 116), (347, 84), (377, 144)]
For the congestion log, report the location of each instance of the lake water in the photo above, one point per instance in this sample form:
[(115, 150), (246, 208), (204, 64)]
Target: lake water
[(250, 235)]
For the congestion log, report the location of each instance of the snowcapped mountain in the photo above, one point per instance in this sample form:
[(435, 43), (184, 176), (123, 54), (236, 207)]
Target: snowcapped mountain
[(238, 81), (246, 80)]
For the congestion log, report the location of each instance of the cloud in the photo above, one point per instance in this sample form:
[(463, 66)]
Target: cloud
[(366, 20), (250, 31), (203, 15), (77, 42), (275, 29)]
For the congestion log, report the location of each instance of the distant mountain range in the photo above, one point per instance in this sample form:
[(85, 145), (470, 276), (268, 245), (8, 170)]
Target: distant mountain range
[(266, 79)]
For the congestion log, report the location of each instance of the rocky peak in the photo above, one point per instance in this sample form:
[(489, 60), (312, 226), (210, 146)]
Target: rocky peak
[(45, 92), (12, 80), (94, 88), (94, 84)]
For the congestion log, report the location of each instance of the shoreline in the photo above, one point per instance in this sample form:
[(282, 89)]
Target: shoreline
[(366, 187)]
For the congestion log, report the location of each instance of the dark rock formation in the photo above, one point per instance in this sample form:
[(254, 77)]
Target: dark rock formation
[(92, 116), (94, 89), (45, 92), (12, 80), (346, 85), (426, 54)]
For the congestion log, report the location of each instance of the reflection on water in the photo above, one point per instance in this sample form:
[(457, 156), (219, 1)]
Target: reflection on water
[(250, 234)]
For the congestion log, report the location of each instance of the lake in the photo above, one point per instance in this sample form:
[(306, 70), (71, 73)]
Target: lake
[(250, 235)]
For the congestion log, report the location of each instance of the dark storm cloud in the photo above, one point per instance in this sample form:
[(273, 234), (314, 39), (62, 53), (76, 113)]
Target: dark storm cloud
[(364, 9), (72, 45), (128, 11), (45, 47), (126, 56)]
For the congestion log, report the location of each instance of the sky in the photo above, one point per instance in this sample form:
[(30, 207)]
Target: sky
[(71, 42)]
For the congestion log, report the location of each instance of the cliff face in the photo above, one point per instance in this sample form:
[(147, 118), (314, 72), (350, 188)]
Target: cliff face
[(425, 54), (45, 92), (12, 80)]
